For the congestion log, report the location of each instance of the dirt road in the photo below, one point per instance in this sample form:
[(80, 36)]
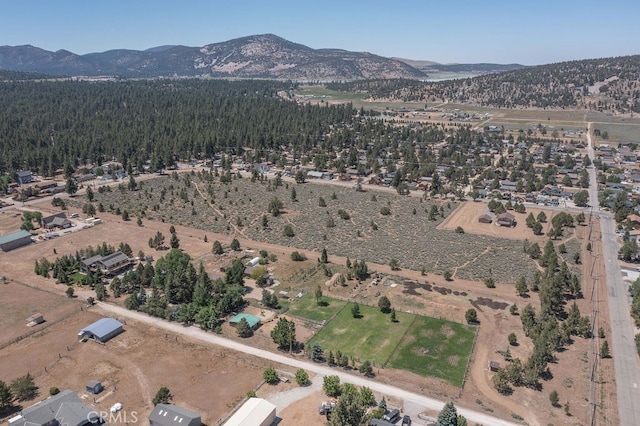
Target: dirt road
[(195, 333)]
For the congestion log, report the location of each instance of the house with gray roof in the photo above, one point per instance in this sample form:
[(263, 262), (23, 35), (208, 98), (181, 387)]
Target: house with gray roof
[(173, 415), (58, 220), (113, 263), (23, 177), (64, 408)]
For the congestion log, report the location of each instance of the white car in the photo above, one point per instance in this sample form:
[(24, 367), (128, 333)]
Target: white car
[(116, 407)]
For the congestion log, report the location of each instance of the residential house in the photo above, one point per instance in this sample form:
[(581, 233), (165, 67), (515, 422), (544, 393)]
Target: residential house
[(89, 264), (64, 408), (56, 221), (506, 219), (24, 177), (113, 263), (173, 415)]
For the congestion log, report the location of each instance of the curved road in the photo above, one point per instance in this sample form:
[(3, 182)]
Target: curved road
[(196, 333), (625, 356)]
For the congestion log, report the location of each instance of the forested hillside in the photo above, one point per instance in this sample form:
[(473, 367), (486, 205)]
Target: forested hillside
[(609, 84)]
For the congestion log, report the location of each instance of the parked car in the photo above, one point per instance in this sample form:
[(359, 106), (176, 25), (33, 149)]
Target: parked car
[(116, 407), (392, 416)]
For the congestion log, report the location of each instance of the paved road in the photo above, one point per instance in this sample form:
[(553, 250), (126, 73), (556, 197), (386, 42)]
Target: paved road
[(625, 357), (196, 333)]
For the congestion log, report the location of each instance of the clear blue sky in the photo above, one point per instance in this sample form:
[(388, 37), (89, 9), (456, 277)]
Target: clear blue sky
[(464, 31)]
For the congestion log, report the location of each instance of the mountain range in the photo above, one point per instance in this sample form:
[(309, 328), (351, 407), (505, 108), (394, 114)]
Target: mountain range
[(259, 56)]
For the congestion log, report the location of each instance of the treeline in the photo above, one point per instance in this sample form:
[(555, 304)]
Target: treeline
[(552, 328), (47, 125), (607, 84), (173, 289)]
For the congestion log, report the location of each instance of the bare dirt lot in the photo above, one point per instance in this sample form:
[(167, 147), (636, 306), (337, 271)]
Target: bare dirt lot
[(132, 367), (466, 216)]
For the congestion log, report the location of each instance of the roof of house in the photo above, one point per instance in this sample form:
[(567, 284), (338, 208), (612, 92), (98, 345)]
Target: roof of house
[(506, 216), (14, 236), (633, 218), (91, 260), (93, 383), (102, 327), (64, 407), (252, 412), (168, 414), (114, 259), (58, 219), (24, 173), (251, 319)]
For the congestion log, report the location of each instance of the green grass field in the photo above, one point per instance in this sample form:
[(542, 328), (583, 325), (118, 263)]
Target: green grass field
[(426, 346), (371, 337), (306, 307), (436, 348)]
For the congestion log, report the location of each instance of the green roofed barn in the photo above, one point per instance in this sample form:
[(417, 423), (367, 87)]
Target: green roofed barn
[(253, 320), (15, 240)]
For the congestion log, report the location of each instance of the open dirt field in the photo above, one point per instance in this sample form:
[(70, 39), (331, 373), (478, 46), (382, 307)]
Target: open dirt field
[(427, 294), (467, 213), (132, 367), (20, 302)]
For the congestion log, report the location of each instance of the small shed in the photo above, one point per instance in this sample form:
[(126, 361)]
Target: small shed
[(494, 366), (254, 412), (485, 218), (94, 387), (253, 320), (101, 330), (35, 319)]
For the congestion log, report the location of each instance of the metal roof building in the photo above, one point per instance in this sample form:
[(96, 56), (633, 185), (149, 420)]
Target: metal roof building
[(101, 330), (254, 412), (251, 319), (15, 240), (172, 415)]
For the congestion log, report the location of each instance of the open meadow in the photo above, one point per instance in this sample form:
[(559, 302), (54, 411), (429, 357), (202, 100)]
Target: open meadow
[(374, 226), (425, 346)]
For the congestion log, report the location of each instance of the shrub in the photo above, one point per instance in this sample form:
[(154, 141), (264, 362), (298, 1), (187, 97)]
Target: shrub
[(302, 378), (385, 211), (270, 376), (54, 391), (288, 231), (471, 316), (459, 230), (297, 256)]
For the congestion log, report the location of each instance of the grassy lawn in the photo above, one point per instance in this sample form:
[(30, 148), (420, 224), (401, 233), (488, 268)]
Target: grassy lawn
[(371, 337), (306, 307), (77, 277), (436, 348)]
